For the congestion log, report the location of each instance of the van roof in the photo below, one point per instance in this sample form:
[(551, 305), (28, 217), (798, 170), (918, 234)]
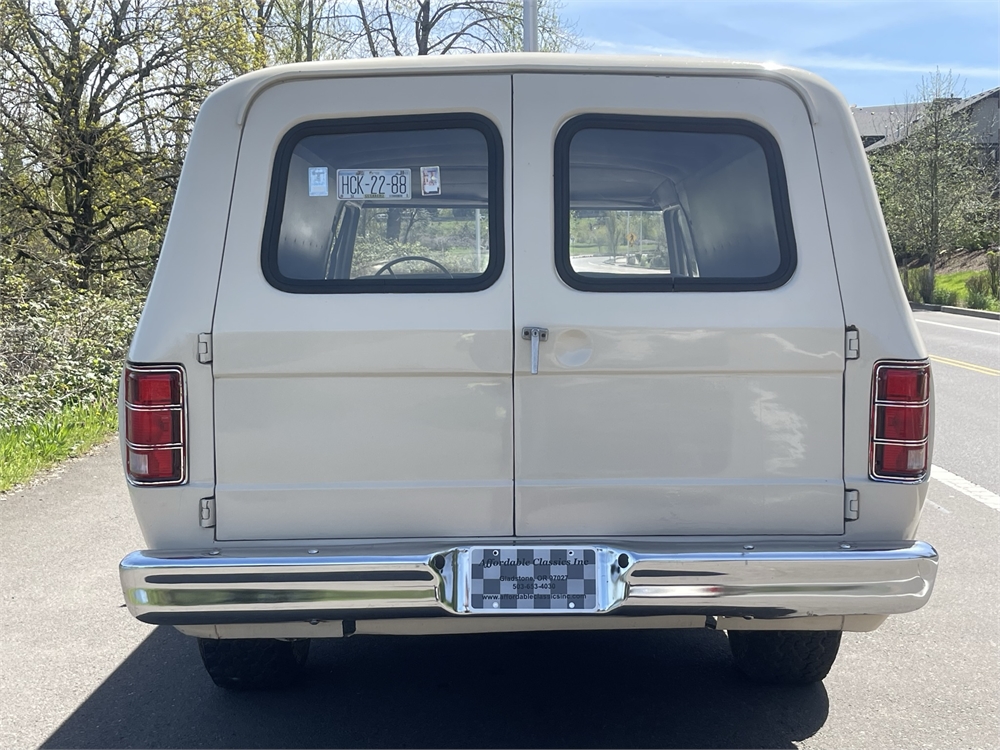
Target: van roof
[(248, 86), (520, 62)]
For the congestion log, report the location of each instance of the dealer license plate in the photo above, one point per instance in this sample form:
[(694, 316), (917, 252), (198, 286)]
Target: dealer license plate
[(373, 184), (519, 578)]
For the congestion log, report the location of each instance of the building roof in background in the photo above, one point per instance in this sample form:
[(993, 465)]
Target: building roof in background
[(880, 126), (885, 119), (979, 97)]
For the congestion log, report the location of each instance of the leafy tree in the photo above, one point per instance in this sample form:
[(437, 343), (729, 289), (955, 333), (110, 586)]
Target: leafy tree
[(98, 100), (614, 230), (100, 96), (424, 27), (283, 31), (936, 184), (306, 30)]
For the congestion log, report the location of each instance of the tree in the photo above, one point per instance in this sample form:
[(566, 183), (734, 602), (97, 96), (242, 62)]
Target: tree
[(388, 28), (98, 101), (306, 30), (283, 31), (99, 97), (613, 228), (936, 186), (290, 31)]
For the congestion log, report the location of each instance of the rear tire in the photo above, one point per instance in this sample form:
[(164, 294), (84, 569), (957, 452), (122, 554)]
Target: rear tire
[(253, 663), (785, 657)]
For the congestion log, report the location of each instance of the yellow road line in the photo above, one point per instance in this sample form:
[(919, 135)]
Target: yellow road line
[(966, 365)]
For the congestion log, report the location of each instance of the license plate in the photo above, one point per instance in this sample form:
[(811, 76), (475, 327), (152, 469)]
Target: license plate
[(562, 579), (373, 184)]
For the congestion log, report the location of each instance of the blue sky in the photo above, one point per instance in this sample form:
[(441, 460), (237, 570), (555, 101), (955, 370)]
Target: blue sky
[(875, 52)]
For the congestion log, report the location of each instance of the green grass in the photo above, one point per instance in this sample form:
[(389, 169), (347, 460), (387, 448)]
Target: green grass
[(953, 282), (71, 431)]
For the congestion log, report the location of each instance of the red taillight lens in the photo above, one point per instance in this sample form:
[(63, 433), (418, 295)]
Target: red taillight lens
[(154, 424), (902, 385), (162, 464), (152, 388), (152, 427), (902, 459), (900, 421)]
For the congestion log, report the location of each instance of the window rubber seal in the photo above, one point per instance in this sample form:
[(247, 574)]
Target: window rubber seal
[(385, 124), (779, 199)]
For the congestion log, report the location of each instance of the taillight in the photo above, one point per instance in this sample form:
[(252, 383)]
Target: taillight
[(900, 421), (154, 424)]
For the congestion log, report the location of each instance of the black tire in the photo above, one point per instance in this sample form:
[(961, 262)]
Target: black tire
[(785, 657), (253, 663)]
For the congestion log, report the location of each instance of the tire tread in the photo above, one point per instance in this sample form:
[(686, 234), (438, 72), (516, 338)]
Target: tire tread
[(252, 663), (785, 657)]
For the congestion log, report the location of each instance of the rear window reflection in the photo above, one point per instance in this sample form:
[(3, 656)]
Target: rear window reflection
[(394, 207), (653, 201)]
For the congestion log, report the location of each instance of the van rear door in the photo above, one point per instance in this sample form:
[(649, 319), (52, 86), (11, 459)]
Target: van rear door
[(690, 333), (362, 335)]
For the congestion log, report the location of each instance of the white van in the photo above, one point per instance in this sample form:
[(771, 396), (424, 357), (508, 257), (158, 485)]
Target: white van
[(526, 342)]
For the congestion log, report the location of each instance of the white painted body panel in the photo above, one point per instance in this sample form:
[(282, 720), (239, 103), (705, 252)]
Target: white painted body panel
[(875, 303), (358, 415), (685, 412), (180, 306), (286, 365)]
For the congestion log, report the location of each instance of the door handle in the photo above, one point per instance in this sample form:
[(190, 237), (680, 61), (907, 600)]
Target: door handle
[(534, 334)]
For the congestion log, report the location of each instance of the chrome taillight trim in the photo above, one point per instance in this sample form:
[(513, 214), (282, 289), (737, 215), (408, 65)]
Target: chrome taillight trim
[(894, 405), (156, 446), (873, 442), (180, 407)]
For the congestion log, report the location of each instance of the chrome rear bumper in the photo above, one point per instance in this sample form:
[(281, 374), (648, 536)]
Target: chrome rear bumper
[(767, 580)]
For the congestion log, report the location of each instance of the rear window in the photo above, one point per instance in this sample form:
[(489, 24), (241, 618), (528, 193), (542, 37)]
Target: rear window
[(386, 205), (670, 204)]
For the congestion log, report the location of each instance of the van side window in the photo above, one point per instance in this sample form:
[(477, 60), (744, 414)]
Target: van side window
[(670, 204), (393, 204)]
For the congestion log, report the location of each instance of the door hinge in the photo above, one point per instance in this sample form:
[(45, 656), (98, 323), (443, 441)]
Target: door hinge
[(852, 505), (852, 344), (204, 348), (207, 512)]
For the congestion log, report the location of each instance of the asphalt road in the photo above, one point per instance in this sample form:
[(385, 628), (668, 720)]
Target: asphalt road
[(964, 351), (77, 671), (602, 264)]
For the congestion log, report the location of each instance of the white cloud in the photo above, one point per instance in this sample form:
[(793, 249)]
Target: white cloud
[(806, 60)]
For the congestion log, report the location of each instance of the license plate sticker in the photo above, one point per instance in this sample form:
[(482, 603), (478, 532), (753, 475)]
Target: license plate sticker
[(373, 184), (562, 579)]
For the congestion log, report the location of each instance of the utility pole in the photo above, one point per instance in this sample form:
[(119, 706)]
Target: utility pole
[(530, 16), (309, 31)]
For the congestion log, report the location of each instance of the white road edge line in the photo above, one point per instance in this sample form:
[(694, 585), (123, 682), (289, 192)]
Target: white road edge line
[(960, 328), (966, 487)]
